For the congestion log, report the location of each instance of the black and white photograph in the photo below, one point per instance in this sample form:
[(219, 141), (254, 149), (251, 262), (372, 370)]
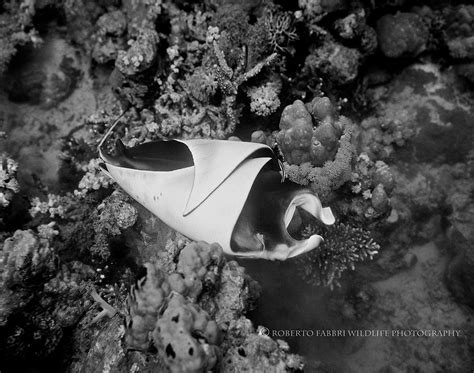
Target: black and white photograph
[(260, 186)]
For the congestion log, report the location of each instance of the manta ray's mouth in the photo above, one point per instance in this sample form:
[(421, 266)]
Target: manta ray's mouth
[(303, 210)]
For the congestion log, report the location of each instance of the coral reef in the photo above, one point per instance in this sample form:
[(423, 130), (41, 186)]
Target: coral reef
[(369, 105), (15, 29), (402, 35), (343, 247), (185, 337), (163, 310), (374, 183), (58, 301), (256, 351), (325, 180), (300, 141), (336, 61), (8, 183)]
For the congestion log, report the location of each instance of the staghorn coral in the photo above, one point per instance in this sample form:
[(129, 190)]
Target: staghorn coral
[(8, 183), (230, 80), (343, 246), (185, 337)]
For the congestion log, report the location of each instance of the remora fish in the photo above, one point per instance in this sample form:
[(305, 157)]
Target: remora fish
[(228, 192)]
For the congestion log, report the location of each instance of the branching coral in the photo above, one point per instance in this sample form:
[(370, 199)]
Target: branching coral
[(230, 80), (343, 247), (140, 56), (55, 206), (264, 99), (94, 179)]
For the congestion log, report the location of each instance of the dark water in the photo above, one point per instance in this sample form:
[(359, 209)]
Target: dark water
[(288, 303)]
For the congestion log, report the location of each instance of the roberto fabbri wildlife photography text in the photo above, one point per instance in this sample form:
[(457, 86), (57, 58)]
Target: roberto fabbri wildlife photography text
[(259, 186)]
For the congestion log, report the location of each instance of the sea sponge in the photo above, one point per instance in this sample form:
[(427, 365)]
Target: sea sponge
[(146, 300), (296, 130), (199, 264), (186, 338), (302, 141)]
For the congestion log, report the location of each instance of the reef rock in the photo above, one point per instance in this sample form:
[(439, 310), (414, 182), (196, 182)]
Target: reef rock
[(423, 114), (336, 61), (402, 35)]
